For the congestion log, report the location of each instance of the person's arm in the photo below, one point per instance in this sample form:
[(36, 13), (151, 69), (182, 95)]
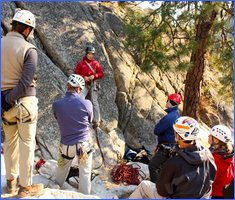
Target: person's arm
[(78, 70), (99, 71), (28, 73), (90, 111), (162, 125)]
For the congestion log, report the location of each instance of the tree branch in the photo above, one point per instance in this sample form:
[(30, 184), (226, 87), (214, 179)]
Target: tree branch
[(229, 11)]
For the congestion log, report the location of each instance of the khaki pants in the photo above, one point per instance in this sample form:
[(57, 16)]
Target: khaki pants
[(146, 190), (85, 166), (19, 144), (93, 97)]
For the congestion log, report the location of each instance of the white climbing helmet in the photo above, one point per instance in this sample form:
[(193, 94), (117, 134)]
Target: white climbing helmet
[(187, 128), (76, 80), (25, 17), (222, 133)]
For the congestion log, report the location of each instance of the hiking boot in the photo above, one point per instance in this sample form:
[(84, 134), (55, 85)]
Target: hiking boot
[(12, 186), (33, 190)]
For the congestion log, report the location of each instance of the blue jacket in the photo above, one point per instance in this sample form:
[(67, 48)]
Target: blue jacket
[(164, 128)]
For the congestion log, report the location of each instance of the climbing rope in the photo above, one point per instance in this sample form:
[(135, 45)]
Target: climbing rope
[(104, 161), (127, 174)]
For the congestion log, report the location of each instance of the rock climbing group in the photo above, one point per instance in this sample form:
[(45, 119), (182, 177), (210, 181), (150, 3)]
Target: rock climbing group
[(181, 167), (73, 112)]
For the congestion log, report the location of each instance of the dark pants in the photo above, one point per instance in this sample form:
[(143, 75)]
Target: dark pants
[(155, 164), (229, 191)]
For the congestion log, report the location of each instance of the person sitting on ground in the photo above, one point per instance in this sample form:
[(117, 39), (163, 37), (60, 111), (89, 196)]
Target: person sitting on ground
[(166, 138), (189, 174), (220, 139), (74, 115), (92, 71)]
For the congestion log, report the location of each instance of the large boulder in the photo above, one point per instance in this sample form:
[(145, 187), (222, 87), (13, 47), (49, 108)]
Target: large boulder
[(131, 102)]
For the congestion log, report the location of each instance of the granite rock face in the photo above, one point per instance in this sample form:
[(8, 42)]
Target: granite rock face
[(131, 101)]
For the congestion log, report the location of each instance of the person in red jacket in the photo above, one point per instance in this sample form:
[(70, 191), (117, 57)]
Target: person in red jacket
[(220, 139), (91, 70)]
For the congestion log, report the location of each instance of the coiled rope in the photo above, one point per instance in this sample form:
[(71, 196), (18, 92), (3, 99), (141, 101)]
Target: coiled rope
[(127, 174)]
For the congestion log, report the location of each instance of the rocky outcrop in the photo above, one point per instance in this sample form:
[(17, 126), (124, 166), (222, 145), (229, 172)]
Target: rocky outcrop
[(131, 101)]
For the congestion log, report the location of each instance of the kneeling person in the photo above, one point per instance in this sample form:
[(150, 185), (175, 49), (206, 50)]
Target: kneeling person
[(74, 116)]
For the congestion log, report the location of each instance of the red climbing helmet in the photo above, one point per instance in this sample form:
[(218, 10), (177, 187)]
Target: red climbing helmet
[(174, 97)]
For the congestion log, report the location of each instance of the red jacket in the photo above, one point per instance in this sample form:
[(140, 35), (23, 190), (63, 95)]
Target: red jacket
[(224, 174), (84, 70)]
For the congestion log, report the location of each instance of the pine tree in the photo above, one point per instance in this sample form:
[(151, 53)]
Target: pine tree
[(184, 33)]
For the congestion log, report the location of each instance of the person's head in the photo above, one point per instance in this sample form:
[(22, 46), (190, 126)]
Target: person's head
[(186, 131), (75, 83), (173, 100), (220, 137), (90, 51), (23, 22)]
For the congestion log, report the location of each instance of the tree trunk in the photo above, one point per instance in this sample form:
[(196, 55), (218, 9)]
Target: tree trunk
[(195, 73)]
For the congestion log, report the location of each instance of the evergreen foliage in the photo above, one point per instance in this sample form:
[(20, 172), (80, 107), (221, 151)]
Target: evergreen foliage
[(165, 36)]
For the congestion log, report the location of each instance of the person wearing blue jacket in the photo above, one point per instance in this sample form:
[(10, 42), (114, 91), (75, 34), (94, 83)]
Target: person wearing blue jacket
[(166, 137), (187, 175)]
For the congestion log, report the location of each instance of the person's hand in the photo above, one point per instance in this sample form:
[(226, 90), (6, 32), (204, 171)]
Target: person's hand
[(91, 77), (5, 105), (86, 78)]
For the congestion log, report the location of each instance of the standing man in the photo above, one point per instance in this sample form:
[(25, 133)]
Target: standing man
[(91, 71), (19, 105), (166, 137), (74, 115), (187, 175)]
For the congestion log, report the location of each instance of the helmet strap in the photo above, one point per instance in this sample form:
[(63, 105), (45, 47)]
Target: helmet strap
[(26, 32), (183, 143)]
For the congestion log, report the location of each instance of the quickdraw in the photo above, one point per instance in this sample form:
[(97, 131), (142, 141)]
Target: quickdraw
[(127, 174)]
